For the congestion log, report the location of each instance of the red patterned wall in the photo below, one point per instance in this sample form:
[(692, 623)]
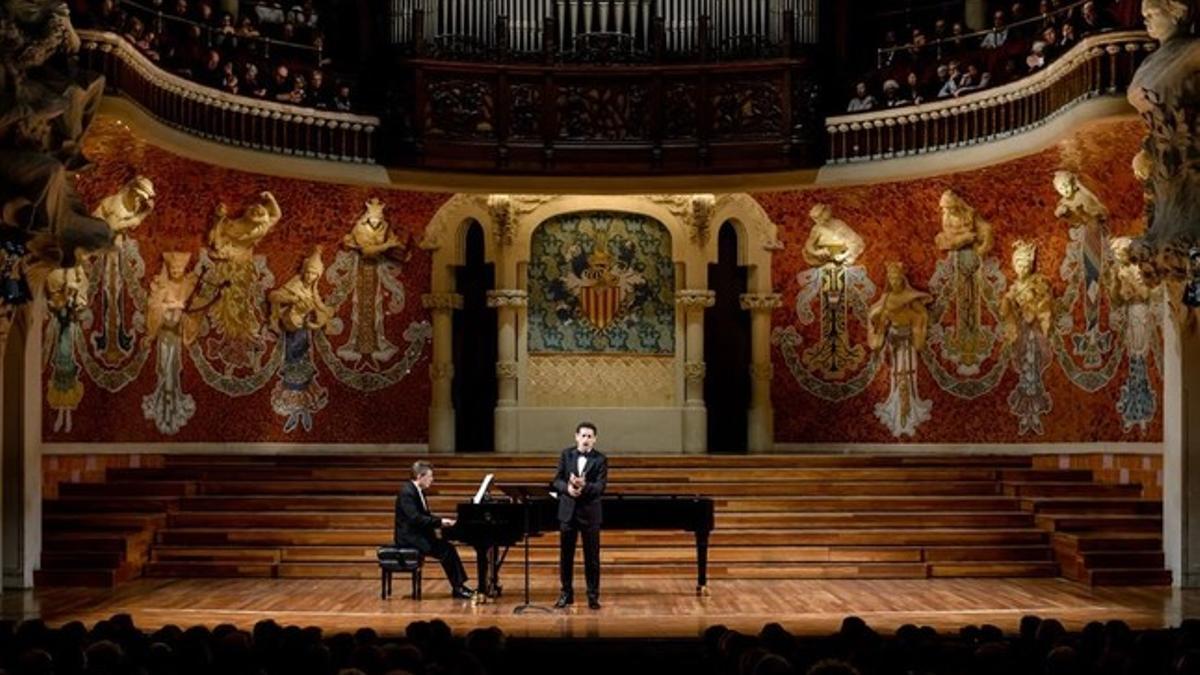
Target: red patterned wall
[(899, 222), (313, 213)]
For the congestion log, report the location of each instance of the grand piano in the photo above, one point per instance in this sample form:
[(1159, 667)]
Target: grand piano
[(491, 527)]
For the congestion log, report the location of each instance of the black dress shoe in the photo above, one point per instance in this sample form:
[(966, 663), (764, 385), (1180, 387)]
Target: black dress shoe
[(593, 602), (462, 593), (564, 599)]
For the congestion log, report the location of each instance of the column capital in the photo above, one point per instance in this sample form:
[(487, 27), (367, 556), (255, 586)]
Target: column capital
[(507, 297), (441, 371), (506, 370), (695, 371), (762, 371), (695, 298), (760, 302), (442, 302)]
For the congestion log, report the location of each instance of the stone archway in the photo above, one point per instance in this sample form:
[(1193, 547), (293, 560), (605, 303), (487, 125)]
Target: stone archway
[(509, 222)]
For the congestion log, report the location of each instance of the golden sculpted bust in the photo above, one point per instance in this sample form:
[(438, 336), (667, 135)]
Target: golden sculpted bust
[(1077, 204), (831, 241), (169, 295), (126, 209), (372, 236), (67, 288), (962, 227), (900, 306), (297, 303), (235, 238), (1028, 300)]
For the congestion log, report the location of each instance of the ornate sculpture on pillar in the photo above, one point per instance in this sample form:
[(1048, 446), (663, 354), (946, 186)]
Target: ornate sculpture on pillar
[(761, 431), (44, 111), (1164, 91), (441, 370), (693, 302)]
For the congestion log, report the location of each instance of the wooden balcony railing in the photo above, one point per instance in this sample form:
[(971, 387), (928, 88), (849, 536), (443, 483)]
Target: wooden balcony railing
[(236, 120), (1099, 65)]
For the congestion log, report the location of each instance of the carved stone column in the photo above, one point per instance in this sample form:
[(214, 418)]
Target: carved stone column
[(693, 302), (508, 303), (1181, 452), (761, 423), (441, 369)]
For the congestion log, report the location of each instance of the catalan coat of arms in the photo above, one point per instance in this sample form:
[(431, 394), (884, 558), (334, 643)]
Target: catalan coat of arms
[(602, 282)]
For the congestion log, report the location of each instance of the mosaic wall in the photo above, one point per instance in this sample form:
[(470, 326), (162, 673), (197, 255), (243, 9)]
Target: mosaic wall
[(988, 306), (239, 307), (601, 282)]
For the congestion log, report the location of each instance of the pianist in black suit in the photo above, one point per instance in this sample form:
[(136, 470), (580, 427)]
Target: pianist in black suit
[(416, 527), (580, 482)]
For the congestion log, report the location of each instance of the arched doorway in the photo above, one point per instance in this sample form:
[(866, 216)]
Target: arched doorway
[(473, 390), (727, 349)]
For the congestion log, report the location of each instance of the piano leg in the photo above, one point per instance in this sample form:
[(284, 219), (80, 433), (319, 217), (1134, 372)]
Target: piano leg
[(702, 562), (485, 565)]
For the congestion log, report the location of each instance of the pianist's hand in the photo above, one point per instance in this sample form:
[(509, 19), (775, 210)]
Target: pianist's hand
[(448, 522)]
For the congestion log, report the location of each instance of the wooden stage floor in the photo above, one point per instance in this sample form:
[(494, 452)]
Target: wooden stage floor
[(633, 607)]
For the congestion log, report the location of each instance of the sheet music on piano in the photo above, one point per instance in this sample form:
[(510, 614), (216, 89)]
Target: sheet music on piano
[(483, 488)]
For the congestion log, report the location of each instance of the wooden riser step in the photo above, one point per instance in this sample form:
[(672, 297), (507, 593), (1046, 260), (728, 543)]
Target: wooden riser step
[(897, 537)]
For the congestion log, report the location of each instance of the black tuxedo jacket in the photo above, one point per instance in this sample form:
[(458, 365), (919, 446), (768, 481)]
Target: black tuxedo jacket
[(585, 510), (415, 525)]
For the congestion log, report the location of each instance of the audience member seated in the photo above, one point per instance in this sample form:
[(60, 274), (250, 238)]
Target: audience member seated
[(225, 53), (862, 101), (117, 646), (1016, 44)]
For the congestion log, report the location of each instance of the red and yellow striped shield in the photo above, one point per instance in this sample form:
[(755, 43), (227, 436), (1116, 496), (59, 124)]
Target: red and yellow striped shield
[(600, 304)]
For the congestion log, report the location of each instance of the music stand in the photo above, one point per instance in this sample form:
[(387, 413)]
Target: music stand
[(522, 494)]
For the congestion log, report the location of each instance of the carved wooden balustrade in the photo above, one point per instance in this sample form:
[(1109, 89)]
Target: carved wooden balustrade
[(1099, 65), (611, 118), (216, 115)]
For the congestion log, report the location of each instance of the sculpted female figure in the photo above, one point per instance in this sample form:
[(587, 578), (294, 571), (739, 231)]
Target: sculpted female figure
[(124, 212), (1130, 295), (967, 239), (173, 329), (377, 249), (1026, 312), (899, 321), (67, 291), (1164, 90), (235, 313), (296, 310), (1085, 261)]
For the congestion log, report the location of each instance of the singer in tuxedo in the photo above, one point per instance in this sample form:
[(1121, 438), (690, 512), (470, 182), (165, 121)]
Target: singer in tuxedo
[(580, 481), (416, 527)]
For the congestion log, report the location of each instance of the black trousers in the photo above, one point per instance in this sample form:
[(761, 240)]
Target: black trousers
[(591, 557), (445, 553)]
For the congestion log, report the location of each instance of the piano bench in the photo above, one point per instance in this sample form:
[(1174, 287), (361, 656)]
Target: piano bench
[(394, 559)]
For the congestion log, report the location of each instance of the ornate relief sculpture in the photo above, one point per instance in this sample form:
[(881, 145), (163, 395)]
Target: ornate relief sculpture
[(173, 329), (1027, 314), (1135, 302), (124, 212), (296, 311), (43, 113), (967, 239), (833, 248), (1166, 91), (66, 298), (1084, 265), (899, 322), (234, 283), (376, 257)]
